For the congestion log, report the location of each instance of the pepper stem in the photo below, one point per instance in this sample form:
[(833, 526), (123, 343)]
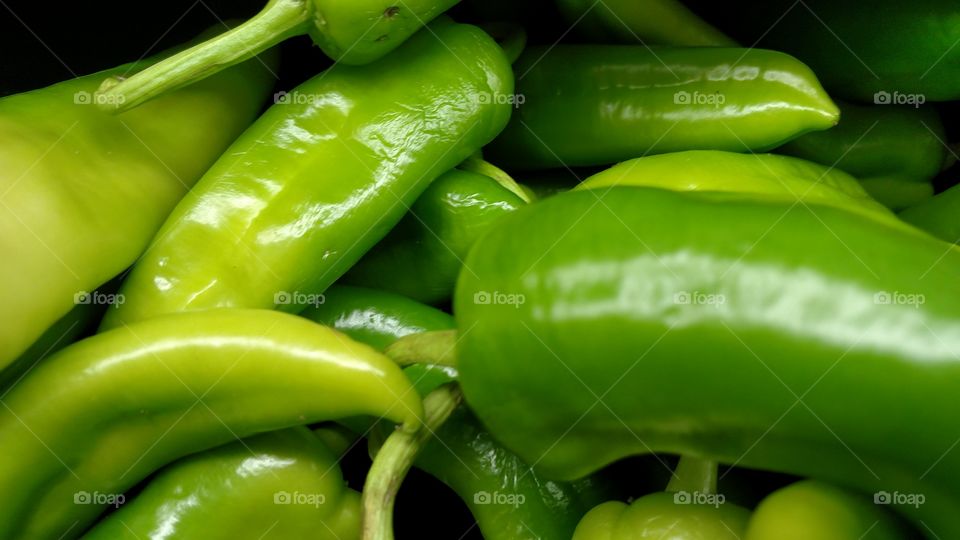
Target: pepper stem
[(477, 164), (437, 348), (395, 458), (279, 20), (694, 475)]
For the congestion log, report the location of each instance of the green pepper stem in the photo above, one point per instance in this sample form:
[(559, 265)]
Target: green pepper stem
[(437, 347), (694, 475), (395, 458), (477, 164), (279, 20)]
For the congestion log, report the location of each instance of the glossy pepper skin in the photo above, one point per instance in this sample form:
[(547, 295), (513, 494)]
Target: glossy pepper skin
[(316, 182), (689, 509), (812, 509), (278, 485), (939, 216), (83, 192), (600, 104), (894, 151), (422, 255), (701, 319), (107, 411), (352, 32), (661, 22), (508, 499), (898, 48), (766, 176)]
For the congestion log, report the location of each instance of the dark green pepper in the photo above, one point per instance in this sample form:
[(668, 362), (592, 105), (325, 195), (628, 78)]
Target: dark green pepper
[(894, 151), (596, 105), (83, 192), (318, 180), (102, 414), (278, 485), (811, 509), (939, 216), (422, 255), (689, 509), (639, 320), (662, 22), (508, 499), (354, 32)]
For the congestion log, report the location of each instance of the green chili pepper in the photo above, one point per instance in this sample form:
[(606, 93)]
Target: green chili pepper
[(104, 413), (811, 509), (282, 484), (894, 151), (690, 509), (595, 105), (354, 32), (506, 497), (940, 216), (83, 192), (316, 182), (663, 22), (639, 320), (888, 51), (765, 176), (422, 255)]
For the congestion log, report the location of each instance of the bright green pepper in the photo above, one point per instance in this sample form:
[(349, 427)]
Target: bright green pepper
[(894, 151), (811, 509), (278, 485), (640, 320), (595, 105), (689, 509), (102, 414), (887, 51), (767, 176), (422, 255), (316, 182), (662, 22), (508, 499), (82, 192), (354, 32), (939, 216)]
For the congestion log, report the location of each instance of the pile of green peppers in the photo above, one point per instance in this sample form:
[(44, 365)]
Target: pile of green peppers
[(642, 281)]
